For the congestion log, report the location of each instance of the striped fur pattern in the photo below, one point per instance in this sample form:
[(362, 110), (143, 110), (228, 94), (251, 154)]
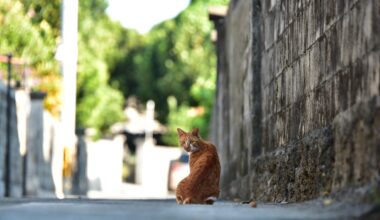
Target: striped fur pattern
[(202, 184)]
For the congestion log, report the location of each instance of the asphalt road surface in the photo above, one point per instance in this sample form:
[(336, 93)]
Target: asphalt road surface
[(85, 209)]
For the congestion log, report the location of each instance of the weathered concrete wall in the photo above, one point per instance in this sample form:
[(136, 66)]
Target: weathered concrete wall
[(298, 106), (44, 152), (36, 152), (15, 168)]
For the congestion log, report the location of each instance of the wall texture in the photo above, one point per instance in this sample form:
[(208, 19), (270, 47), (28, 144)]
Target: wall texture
[(44, 151), (15, 170), (297, 112)]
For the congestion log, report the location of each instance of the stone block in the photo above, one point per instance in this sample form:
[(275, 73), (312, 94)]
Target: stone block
[(356, 144), (374, 73), (333, 35)]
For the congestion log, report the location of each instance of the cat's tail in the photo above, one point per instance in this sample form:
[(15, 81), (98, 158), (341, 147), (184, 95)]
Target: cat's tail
[(210, 200)]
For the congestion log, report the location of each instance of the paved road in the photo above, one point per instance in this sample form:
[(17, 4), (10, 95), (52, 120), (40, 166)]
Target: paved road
[(84, 209)]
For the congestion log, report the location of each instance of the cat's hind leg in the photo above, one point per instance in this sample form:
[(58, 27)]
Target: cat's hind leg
[(187, 201)]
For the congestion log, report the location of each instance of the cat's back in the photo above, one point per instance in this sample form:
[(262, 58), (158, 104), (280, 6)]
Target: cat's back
[(208, 155), (212, 176), (207, 159), (211, 153)]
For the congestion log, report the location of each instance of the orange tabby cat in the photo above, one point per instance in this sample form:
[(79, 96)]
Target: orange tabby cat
[(203, 180)]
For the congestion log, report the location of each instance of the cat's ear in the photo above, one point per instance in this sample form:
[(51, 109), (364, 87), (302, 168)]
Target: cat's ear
[(195, 132), (180, 132)]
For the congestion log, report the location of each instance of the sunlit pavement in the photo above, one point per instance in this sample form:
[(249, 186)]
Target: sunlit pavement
[(131, 191), (168, 209)]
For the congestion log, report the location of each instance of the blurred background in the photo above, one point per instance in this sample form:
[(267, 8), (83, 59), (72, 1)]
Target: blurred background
[(92, 92)]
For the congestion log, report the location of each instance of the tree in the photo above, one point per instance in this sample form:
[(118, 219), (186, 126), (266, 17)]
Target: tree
[(177, 60), (32, 40), (98, 104)]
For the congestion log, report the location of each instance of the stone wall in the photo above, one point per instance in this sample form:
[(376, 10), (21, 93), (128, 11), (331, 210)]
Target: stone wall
[(297, 110)]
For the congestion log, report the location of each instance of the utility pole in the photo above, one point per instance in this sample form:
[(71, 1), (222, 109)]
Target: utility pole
[(8, 130), (67, 53), (69, 56)]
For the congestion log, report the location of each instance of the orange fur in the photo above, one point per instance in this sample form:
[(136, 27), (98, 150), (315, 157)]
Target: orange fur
[(203, 180)]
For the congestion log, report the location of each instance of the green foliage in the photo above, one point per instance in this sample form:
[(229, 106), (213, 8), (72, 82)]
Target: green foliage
[(45, 11), (98, 104), (34, 41), (196, 58), (27, 44), (174, 65), (184, 117), (30, 29)]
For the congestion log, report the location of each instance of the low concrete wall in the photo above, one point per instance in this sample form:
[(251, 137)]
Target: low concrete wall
[(36, 155), (152, 167), (104, 164)]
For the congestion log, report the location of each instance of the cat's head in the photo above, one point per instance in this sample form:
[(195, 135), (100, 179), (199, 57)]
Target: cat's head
[(190, 141)]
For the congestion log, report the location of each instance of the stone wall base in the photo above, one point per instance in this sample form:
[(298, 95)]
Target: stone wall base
[(338, 158)]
